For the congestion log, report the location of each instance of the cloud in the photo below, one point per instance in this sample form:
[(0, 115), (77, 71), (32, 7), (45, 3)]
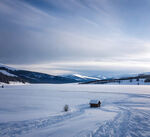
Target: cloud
[(91, 68), (36, 32)]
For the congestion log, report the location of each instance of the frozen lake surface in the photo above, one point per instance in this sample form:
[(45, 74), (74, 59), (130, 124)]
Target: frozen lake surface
[(37, 111)]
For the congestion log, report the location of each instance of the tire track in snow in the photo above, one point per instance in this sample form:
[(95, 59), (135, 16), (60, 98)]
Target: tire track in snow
[(114, 128), (129, 122), (22, 127)]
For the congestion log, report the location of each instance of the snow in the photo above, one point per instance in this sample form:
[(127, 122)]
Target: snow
[(128, 82), (101, 77), (7, 73), (17, 83), (14, 83), (145, 73), (94, 101), (85, 77), (37, 110)]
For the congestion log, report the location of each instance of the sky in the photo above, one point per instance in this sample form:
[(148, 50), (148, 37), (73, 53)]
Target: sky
[(90, 37)]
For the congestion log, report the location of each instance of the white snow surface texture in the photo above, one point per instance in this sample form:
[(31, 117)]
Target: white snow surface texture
[(37, 111)]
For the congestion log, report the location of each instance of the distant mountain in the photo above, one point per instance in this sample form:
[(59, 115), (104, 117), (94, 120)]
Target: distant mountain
[(8, 74), (80, 78), (131, 79), (100, 77)]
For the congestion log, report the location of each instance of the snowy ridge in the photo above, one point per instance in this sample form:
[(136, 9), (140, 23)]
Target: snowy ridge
[(7, 73), (101, 77), (85, 77), (80, 78), (145, 73), (134, 79)]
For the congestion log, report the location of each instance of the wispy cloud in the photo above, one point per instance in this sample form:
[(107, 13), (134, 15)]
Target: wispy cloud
[(48, 31)]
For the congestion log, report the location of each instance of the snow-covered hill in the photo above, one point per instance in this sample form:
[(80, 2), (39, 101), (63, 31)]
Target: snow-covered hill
[(136, 79), (8, 74), (100, 77), (81, 78)]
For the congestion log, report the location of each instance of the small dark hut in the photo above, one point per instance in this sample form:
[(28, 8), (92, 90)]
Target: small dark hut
[(95, 103)]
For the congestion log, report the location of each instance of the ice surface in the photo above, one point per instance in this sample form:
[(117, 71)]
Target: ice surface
[(37, 110)]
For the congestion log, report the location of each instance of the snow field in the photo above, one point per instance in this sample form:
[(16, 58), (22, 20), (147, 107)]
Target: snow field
[(37, 110)]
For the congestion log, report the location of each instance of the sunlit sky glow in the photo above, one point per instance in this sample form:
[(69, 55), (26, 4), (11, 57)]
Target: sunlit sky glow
[(76, 36)]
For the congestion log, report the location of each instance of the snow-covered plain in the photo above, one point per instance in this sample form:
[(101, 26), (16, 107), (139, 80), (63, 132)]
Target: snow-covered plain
[(37, 111)]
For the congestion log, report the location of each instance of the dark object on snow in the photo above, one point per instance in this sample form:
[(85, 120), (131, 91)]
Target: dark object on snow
[(2, 86), (66, 108), (95, 103)]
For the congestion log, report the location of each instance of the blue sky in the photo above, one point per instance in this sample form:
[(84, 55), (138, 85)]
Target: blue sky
[(76, 36)]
